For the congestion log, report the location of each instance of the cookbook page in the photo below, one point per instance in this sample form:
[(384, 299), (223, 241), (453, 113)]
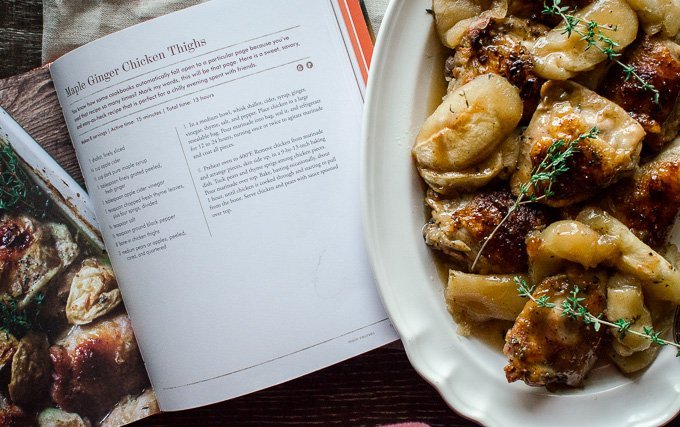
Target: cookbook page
[(220, 145)]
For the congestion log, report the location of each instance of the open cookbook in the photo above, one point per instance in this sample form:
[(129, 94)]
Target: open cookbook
[(220, 250)]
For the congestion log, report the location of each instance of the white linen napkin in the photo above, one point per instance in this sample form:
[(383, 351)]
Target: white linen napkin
[(376, 12), (68, 24)]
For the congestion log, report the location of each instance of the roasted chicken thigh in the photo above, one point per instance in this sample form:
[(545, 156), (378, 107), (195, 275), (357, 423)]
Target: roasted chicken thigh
[(459, 227), (32, 254), (657, 60), (95, 366), (568, 112), (499, 46), (546, 348), (648, 203)]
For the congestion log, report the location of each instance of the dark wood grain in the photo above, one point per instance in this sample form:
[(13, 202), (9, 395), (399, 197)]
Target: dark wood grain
[(31, 100), (376, 388)]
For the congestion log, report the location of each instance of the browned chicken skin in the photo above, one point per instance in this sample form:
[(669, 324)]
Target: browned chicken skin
[(649, 202), (533, 9), (608, 143), (548, 349), (95, 366), (13, 416), (459, 227), (16, 237), (498, 46), (656, 60), (32, 253), (586, 169)]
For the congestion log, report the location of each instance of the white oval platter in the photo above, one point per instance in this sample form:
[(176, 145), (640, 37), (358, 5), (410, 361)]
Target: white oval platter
[(466, 372)]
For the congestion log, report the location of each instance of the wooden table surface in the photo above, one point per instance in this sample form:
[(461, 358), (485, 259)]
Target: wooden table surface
[(376, 388)]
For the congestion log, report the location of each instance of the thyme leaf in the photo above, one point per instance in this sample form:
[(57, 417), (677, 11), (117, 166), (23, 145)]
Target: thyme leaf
[(17, 189), (16, 321), (591, 33), (554, 164), (571, 307)]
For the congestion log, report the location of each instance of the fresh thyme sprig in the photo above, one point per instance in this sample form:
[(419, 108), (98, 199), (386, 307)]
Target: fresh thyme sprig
[(16, 187), (16, 321), (591, 33), (571, 307), (553, 165)]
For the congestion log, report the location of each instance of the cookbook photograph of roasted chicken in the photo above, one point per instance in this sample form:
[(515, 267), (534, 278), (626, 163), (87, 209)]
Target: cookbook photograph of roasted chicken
[(551, 172), (68, 356)]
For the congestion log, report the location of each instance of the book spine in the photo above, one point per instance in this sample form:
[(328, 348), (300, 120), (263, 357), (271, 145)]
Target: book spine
[(360, 36)]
